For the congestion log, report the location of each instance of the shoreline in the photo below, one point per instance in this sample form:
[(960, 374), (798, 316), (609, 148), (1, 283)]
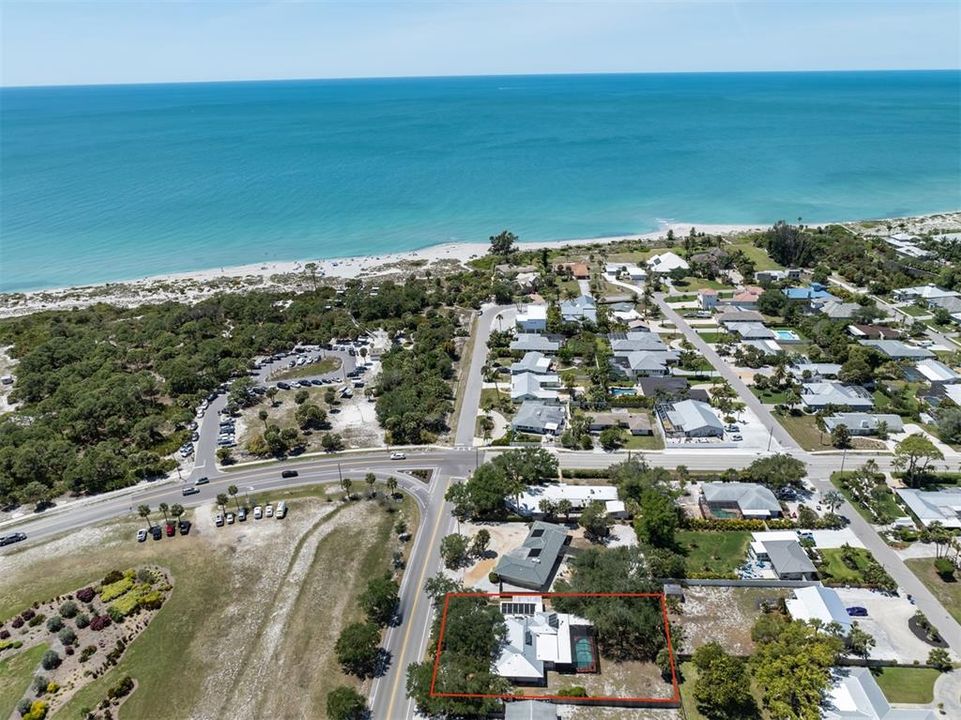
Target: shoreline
[(195, 285)]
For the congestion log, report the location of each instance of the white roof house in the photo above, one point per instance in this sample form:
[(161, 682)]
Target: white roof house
[(695, 419), (750, 499), (821, 394), (864, 423), (533, 362), (897, 350), (943, 506), (815, 370), (535, 416), (525, 342), (533, 318), (631, 270), (634, 341), (535, 643), (936, 372), (531, 386), (818, 603), (924, 292), (580, 309), (580, 496), (529, 710), (855, 695), (666, 262), (751, 330)]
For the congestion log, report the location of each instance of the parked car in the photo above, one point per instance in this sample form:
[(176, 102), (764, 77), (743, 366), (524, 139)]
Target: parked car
[(230, 518), (269, 511), (398, 456), (289, 474), (171, 529), (219, 520), (258, 512), (281, 510), (283, 386), (156, 532), (12, 538), (242, 514), (202, 481), (857, 611), (736, 437), (184, 527), (190, 491)]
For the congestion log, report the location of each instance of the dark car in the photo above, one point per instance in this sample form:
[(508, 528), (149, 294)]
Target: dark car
[(857, 611), (184, 527), (289, 473), (156, 532), (202, 481), (171, 529), (283, 386), (12, 538)]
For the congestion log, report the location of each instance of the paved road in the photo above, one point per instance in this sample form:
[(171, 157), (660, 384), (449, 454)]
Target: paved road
[(763, 414), (475, 381)]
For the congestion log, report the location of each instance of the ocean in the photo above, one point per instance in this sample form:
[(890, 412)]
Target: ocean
[(106, 183)]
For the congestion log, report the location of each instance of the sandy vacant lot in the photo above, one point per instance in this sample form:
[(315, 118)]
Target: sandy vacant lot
[(248, 631), (722, 614)]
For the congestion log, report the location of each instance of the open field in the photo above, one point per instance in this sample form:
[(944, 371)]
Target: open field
[(713, 553), (762, 261), (723, 614), (907, 684), (834, 571), (644, 442), (17, 672), (804, 429), (250, 626), (947, 593), (321, 367)]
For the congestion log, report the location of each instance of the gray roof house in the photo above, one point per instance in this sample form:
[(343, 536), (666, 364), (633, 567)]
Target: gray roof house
[(580, 309), (736, 316), (897, 350), (839, 310), (815, 370), (532, 565), (749, 499), (788, 559), (817, 395), (527, 342), (751, 330), (855, 695), (530, 710), (635, 341), (695, 419), (532, 362), (643, 363), (934, 372), (864, 423), (943, 506), (539, 418)]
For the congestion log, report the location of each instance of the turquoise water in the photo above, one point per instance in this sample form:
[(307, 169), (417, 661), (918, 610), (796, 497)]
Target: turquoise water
[(107, 183), (787, 335)]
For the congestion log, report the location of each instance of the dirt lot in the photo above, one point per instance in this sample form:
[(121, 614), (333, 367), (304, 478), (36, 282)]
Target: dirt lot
[(7, 367), (724, 614), (250, 626)]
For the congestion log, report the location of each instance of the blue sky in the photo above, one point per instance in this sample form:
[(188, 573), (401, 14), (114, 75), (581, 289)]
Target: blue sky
[(125, 41)]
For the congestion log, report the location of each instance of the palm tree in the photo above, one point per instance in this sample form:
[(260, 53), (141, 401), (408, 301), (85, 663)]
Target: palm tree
[(370, 479), (232, 491), (834, 500), (345, 484), (222, 500), (564, 506), (164, 507), (391, 484), (144, 512), (177, 510), (263, 415)]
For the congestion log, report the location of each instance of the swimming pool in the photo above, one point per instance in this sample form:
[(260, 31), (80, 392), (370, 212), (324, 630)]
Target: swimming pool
[(618, 391), (787, 335)]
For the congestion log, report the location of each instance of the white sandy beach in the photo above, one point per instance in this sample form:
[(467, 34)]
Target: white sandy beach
[(195, 285)]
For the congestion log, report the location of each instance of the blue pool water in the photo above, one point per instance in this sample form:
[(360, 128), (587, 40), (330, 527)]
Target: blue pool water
[(118, 182)]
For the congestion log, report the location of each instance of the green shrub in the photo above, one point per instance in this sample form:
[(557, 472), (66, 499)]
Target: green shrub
[(68, 609), (573, 691), (81, 621), (67, 636), (50, 660), (111, 577), (115, 589), (944, 567), (55, 623), (121, 689), (36, 620)]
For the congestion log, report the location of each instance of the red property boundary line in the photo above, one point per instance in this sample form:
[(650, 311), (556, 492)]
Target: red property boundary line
[(673, 700)]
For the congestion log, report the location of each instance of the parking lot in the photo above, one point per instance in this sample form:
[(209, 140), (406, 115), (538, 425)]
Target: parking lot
[(887, 622)]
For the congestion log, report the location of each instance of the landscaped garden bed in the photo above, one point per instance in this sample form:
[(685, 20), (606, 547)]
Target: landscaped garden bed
[(85, 633)]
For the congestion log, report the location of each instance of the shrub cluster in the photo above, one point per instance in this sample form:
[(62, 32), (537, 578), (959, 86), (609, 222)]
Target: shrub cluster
[(115, 589), (86, 594), (100, 622), (121, 689)]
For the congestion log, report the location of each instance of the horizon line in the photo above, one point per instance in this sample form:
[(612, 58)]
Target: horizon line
[(348, 78)]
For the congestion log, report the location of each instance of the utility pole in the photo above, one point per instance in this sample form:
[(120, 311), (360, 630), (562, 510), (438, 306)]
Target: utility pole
[(770, 438), (339, 473), (844, 456)]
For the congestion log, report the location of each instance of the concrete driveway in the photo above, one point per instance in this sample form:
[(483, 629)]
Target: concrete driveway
[(887, 622)]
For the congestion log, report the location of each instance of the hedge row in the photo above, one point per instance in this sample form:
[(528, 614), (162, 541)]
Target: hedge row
[(715, 524), (116, 589), (586, 473)]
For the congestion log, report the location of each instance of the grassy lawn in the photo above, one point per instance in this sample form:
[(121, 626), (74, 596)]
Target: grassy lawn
[(833, 570), (804, 429), (498, 399), (254, 612), (762, 261), (320, 367), (680, 298), (713, 337), (907, 684), (644, 442), (713, 553), (915, 311), (947, 593), (886, 504), (17, 673), (695, 283), (768, 396)]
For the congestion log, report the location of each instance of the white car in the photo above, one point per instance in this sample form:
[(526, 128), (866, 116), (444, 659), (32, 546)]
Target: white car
[(281, 510), (398, 456), (141, 535), (230, 518), (258, 512), (219, 520), (269, 511)]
